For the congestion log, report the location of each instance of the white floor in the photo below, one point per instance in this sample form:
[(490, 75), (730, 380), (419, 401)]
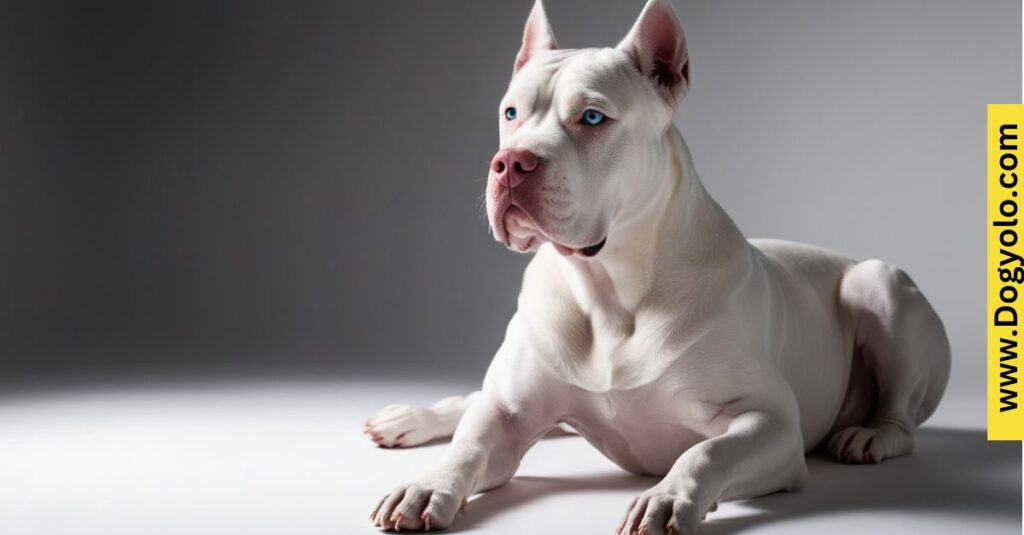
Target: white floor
[(290, 458)]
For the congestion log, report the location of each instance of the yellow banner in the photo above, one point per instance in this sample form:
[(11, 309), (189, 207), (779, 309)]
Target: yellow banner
[(1005, 271)]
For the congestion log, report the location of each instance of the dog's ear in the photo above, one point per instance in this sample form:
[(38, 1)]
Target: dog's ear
[(537, 36), (658, 48)]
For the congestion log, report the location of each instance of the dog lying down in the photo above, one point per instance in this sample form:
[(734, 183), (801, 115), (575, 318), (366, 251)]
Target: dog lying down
[(649, 324)]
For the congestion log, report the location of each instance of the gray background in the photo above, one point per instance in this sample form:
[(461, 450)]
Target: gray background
[(206, 189)]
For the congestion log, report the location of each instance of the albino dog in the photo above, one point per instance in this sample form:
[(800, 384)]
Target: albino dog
[(649, 324)]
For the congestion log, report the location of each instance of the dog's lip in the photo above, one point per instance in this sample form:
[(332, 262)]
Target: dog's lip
[(503, 235), (594, 249), (499, 217)]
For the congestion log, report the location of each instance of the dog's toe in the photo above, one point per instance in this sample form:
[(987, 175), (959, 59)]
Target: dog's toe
[(657, 512), (860, 445), (416, 507)]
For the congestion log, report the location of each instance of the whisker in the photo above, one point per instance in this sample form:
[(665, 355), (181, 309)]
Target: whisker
[(482, 209)]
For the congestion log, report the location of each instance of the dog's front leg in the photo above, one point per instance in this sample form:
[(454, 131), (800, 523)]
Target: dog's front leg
[(485, 452), (761, 452)]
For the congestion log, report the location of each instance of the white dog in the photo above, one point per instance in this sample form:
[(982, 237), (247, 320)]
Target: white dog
[(649, 324)]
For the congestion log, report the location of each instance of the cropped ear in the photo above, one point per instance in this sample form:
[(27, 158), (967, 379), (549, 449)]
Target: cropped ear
[(537, 36), (658, 48)]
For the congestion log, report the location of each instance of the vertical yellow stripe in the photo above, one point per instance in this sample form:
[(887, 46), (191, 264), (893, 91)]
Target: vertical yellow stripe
[(1005, 251)]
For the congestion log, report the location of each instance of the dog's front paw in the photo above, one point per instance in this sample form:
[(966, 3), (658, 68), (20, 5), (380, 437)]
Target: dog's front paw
[(418, 506), (662, 510), (402, 426)]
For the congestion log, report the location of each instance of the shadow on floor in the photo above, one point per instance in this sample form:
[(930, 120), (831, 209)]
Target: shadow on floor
[(952, 472), (523, 490)]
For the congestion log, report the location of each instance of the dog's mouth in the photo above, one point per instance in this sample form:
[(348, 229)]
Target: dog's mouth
[(520, 232), (593, 249)]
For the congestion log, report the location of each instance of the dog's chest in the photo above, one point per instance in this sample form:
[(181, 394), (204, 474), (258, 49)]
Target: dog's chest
[(644, 430), (601, 353)]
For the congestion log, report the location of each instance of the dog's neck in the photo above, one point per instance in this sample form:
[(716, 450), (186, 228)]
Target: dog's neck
[(678, 233)]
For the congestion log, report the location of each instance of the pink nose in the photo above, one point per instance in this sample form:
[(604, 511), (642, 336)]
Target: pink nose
[(511, 166)]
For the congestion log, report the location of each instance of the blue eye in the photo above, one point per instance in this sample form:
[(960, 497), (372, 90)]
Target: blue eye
[(592, 118), (510, 113)]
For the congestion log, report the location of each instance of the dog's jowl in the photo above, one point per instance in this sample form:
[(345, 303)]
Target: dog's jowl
[(648, 323)]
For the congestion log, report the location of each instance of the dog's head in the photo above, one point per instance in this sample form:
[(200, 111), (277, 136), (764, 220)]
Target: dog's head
[(580, 129)]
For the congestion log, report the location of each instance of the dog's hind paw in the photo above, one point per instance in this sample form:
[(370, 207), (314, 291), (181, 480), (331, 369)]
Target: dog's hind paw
[(872, 444)]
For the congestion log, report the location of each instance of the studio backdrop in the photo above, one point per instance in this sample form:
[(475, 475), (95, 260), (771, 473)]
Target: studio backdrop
[(207, 189)]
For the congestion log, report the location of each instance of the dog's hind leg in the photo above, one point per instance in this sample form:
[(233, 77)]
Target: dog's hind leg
[(900, 338), (403, 426)]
